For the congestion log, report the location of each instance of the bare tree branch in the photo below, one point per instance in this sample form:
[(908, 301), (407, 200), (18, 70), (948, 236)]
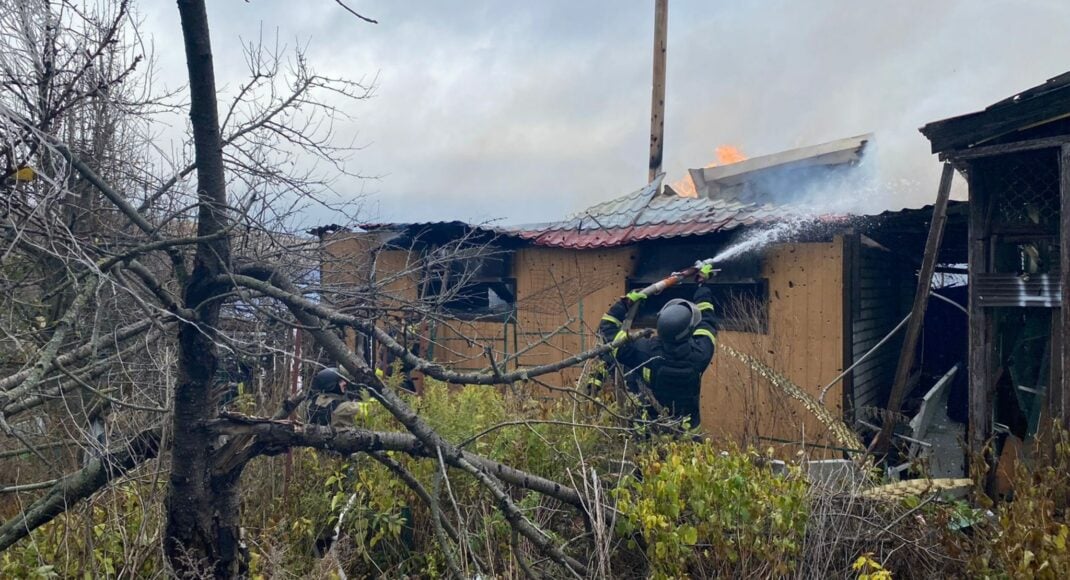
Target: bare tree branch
[(80, 485), (296, 301), (354, 13), (10, 383), (274, 436)]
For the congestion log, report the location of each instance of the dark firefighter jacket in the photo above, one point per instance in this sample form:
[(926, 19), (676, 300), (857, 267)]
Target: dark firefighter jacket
[(673, 371)]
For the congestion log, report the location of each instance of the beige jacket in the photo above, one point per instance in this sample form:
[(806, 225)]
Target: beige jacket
[(344, 414)]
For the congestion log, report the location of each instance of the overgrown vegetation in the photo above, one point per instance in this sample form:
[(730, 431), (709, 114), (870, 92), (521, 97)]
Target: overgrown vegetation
[(675, 508), (387, 528), (139, 304), (1028, 536), (703, 512)]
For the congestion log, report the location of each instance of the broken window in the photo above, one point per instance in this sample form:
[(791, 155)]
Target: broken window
[(470, 283), (1023, 369), (740, 294), (740, 307), (1020, 290)]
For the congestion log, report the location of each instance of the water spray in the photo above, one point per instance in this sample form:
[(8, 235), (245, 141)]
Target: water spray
[(758, 239)]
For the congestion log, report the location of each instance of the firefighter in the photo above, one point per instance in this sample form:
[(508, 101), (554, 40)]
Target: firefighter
[(330, 403), (671, 363)]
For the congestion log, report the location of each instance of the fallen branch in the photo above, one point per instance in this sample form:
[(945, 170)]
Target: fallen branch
[(273, 437)]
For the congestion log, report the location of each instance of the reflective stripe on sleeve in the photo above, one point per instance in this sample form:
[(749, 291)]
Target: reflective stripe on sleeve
[(704, 306), (706, 333), (620, 334), (608, 318)]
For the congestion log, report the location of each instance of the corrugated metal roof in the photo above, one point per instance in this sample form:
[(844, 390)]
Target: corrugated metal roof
[(642, 215), (646, 214)]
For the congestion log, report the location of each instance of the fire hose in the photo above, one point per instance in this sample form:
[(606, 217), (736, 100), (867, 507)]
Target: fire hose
[(664, 284)]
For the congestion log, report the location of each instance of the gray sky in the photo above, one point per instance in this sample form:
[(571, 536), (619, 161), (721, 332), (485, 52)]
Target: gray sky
[(526, 111)]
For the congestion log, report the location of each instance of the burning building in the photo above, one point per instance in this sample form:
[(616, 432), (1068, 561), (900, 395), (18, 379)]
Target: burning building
[(810, 294)]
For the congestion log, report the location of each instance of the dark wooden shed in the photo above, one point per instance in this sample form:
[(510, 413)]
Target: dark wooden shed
[(1015, 155)]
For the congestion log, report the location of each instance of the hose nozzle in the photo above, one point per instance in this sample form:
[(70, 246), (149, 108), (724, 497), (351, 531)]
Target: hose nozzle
[(705, 270)]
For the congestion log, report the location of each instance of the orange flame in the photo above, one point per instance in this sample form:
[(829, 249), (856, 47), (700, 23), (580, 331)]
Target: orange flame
[(725, 154)]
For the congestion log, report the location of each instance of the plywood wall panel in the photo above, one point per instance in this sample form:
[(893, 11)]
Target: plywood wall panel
[(565, 292), (804, 342)]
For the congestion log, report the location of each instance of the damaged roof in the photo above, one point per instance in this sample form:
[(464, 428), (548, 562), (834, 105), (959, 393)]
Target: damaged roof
[(403, 234), (653, 213), (725, 181), (647, 214)]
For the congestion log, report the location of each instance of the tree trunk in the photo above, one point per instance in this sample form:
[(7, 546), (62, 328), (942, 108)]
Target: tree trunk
[(202, 507)]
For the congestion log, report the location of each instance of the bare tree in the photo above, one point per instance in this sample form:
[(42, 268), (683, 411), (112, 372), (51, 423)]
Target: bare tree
[(161, 276)]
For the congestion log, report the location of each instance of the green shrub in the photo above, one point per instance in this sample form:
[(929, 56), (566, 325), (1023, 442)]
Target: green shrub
[(388, 531), (1030, 533), (117, 532), (706, 513)]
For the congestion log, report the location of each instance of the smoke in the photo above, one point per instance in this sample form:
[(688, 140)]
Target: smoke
[(528, 111), (819, 190), (785, 74), (811, 198)]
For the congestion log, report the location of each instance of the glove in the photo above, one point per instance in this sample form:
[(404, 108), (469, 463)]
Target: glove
[(635, 296), (704, 273)]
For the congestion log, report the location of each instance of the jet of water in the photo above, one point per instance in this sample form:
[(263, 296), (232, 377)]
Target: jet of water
[(757, 239)]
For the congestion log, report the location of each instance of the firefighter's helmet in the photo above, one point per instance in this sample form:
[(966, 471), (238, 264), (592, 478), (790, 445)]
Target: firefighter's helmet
[(328, 381), (677, 319)]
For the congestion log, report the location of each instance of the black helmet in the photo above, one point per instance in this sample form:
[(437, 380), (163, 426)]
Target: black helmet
[(326, 381), (677, 319)]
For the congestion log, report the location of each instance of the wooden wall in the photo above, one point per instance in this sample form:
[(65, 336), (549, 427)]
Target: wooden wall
[(804, 343), (462, 343), (565, 293), (562, 293), (561, 296), (883, 299), (352, 258), (356, 260), (804, 339)]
